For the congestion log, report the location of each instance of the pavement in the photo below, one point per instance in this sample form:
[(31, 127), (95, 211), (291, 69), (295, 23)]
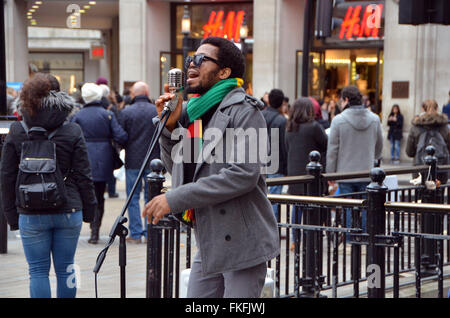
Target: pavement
[(14, 278)]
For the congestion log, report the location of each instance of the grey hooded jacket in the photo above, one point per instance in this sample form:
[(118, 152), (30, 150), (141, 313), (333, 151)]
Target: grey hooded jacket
[(235, 227), (355, 141)]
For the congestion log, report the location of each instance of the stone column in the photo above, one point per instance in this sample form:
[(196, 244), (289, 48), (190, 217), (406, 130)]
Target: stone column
[(16, 33), (278, 34), (418, 54), (158, 40), (132, 37)]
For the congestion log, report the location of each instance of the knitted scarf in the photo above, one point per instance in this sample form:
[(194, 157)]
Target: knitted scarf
[(196, 108)]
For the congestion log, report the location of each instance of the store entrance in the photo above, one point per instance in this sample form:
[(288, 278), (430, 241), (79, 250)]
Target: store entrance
[(359, 67), (331, 70)]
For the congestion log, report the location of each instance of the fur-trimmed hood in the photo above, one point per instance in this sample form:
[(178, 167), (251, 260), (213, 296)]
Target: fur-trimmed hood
[(55, 108), (430, 120)]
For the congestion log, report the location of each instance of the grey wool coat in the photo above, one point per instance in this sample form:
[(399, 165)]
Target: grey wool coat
[(235, 227)]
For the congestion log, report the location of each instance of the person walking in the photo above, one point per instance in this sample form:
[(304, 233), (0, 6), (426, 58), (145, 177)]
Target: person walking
[(99, 127), (355, 142), (276, 122), (49, 233), (303, 135), (429, 127), (225, 200), (333, 110), (395, 134), (136, 120)]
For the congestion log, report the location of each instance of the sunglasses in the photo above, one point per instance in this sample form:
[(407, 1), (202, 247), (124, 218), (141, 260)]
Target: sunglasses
[(198, 60)]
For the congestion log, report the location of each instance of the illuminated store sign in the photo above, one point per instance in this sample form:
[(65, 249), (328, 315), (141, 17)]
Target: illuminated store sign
[(97, 52), (359, 23), (229, 29)]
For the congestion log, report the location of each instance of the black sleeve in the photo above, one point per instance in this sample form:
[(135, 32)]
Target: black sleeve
[(322, 138), (81, 173), (283, 149), (9, 168)]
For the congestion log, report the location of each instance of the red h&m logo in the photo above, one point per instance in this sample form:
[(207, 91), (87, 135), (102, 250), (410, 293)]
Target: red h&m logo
[(368, 26), (230, 30), (97, 52)]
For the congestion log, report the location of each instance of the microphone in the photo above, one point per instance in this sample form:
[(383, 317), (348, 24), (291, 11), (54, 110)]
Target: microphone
[(175, 79)]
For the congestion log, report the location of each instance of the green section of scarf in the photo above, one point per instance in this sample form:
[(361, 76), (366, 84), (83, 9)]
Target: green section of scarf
[(197, 106)]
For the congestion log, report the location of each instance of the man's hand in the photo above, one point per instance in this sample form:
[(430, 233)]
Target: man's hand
[(175, 115), (156, 208)]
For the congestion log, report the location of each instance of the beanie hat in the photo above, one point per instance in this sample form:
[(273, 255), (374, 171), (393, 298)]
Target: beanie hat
[(102, 80), (91, 92)]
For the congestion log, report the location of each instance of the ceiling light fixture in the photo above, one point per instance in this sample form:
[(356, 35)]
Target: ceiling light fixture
[(92, 2)]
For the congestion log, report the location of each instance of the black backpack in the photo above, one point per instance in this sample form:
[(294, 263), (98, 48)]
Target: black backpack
[(431, 137), (40, 184)]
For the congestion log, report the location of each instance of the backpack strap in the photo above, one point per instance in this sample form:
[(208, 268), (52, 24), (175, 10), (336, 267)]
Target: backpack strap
[(24, 126), (50, 136), (53, 133)]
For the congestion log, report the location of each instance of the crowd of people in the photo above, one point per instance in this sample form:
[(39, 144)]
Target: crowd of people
[(348, 135), (225, 202)]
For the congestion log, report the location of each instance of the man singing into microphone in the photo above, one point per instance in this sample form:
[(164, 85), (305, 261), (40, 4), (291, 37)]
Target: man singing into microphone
[(225, 201)]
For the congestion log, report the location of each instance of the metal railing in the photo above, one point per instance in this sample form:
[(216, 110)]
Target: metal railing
[(346, 246)]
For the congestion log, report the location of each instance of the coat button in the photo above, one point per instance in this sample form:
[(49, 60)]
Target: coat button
[(222, 211), (227, 238)]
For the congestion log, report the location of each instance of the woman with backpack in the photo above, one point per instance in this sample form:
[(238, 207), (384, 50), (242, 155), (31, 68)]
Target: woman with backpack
[(395, 134), (429, 127), (48, 214)]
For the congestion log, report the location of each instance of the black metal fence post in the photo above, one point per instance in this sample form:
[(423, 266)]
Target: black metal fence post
[(154, 234), (313, 279), (376, 225), (431, 223)]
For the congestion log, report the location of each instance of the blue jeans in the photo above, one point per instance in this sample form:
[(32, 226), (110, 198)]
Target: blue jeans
[(275, 190), (296, 218), (350, 188), (395, 148), (134, 210), (55, 234)]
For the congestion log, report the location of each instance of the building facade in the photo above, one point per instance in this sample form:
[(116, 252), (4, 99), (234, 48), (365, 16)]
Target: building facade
[(390, 63)]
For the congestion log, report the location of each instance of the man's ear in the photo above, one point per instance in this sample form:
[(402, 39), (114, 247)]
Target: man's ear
[(225, 73)]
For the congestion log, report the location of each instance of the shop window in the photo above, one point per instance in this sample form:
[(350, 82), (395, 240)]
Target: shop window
[(68, 68)]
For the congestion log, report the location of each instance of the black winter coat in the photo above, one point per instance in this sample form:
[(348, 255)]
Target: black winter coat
[(71, 158), (100, 127), (310, 136), (136, 120), (396, 128), (277, 121)]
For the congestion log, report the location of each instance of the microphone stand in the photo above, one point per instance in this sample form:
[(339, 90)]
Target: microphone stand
[(118, 228)]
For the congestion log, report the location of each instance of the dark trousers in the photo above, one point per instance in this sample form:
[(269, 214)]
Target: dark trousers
[(112, 185), (100, 195)]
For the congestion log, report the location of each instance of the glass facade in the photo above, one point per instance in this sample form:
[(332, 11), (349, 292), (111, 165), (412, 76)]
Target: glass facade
[(68, 68)]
